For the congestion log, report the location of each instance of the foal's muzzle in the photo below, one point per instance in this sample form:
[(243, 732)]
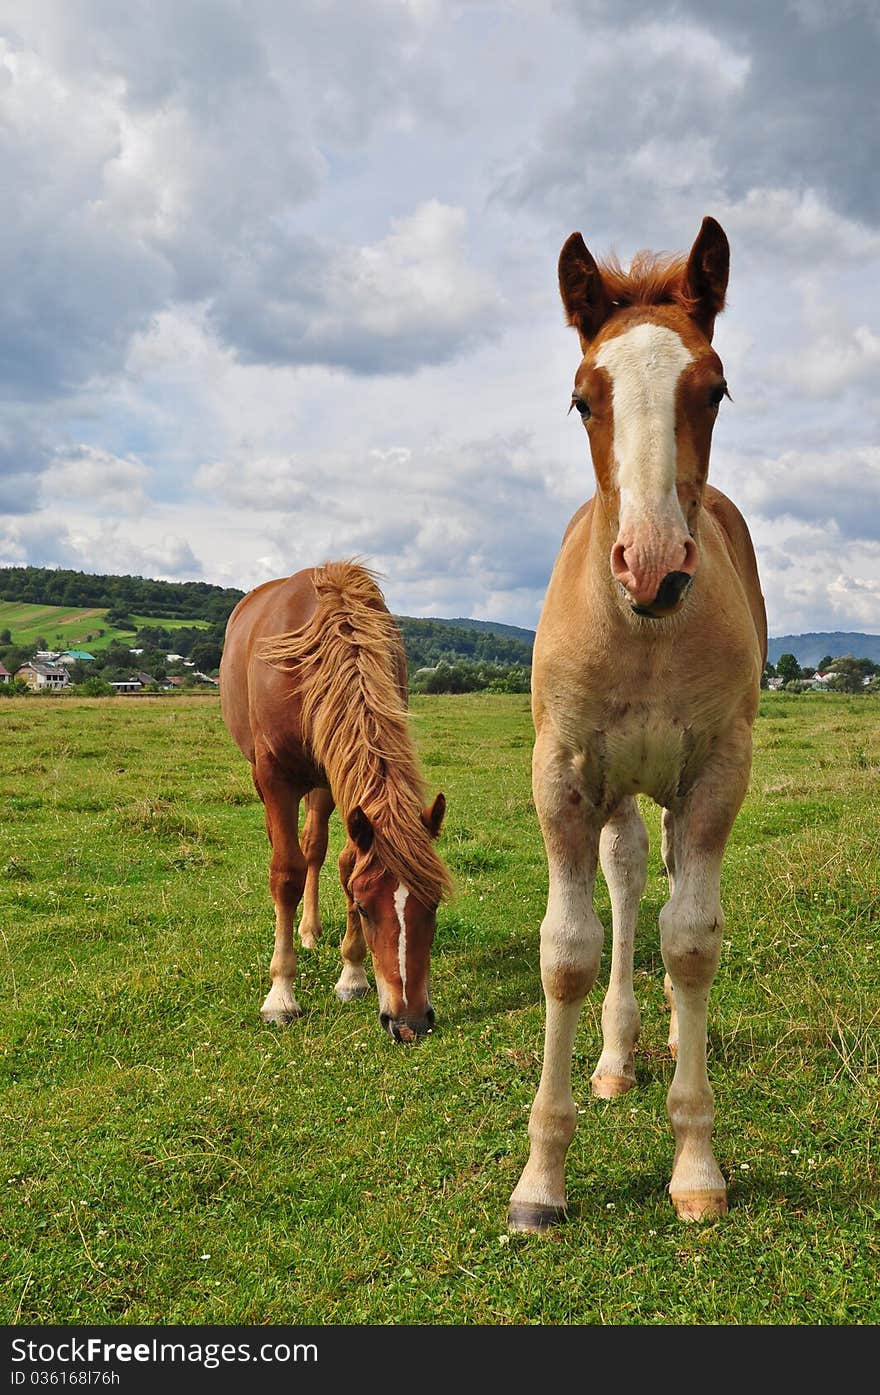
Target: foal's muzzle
[(407, 1028), (668, 597)]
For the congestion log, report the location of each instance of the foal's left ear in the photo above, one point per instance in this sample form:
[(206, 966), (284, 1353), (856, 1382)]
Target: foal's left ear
[(360, 830), (708, 268), (432, 818)]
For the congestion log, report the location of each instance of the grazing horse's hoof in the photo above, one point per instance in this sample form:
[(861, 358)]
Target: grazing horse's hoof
[(530, 1218), (608, 1087), (699, 1206)]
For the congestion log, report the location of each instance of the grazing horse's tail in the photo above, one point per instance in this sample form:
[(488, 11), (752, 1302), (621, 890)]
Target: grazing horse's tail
[(350, 670)]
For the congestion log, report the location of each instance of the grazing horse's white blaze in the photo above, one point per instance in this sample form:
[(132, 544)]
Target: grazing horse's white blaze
[(400, 898)]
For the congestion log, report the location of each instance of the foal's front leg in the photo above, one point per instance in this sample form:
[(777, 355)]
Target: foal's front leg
[(571, 947), (691, 925)]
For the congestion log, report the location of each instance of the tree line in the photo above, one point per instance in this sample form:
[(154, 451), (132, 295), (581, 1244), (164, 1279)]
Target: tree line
[(848, 673), (176, 600)]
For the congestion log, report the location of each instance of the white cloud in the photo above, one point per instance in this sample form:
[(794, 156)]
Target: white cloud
[(410, 299), (86, 473)]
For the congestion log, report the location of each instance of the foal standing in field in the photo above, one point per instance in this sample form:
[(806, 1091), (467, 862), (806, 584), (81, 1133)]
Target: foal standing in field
[(313, 689), (645, 679)]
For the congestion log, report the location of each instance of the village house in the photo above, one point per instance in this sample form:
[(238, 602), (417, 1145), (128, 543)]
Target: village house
[(40, 675), (5, 675)]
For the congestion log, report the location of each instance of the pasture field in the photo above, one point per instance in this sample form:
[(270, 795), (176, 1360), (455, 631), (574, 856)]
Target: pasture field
[(168, 1159), (74, 627)]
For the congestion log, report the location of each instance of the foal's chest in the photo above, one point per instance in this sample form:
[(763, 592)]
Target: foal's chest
[(641, 753), (636, 751)]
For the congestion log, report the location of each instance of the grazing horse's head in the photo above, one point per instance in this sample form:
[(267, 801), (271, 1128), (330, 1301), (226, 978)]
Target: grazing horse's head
[(398, 921), (648, 388)]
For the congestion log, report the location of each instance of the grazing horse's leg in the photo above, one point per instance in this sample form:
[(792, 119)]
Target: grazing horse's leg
[(667, 848), (571, 947), (691, 925), (314, 846), (352, 982), (623, 853), (287, 878)]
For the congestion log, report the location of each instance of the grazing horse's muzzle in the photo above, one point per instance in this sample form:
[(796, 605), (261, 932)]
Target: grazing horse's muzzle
[(668, 597), (407, 1028)]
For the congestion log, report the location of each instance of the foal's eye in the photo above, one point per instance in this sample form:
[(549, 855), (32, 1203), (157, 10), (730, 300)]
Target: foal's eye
[(582, 407), (717, 393), (361, 910)]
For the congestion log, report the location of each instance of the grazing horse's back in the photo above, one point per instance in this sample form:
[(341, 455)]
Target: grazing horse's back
[(278, 606), (645, 681)]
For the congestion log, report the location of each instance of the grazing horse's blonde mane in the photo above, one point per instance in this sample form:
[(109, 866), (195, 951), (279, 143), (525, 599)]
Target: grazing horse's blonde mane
[(355, 720), (652, 279)]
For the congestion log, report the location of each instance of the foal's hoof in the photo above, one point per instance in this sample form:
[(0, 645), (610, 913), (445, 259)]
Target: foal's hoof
[(531, 1218), (350, 993), (608, 1087), (309, 938), (699, 1206)]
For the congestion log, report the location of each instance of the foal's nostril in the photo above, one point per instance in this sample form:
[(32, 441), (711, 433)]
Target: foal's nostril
[(384, 1020), (429, 1017), (672, 588)]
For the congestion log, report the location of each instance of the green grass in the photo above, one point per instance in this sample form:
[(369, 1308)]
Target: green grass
[(168, 1159), (74, 627)]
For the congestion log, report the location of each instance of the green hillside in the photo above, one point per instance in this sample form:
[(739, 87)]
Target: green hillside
[(75, 627)]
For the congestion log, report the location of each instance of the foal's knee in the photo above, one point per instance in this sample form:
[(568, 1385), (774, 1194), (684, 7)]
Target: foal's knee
[(570, 962), (690, 945)]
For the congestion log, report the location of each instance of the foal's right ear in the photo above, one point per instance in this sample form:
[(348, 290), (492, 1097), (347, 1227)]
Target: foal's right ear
[(586, 301)]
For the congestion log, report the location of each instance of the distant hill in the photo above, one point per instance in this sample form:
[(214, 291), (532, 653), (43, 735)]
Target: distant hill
[(810, 648), (429, 641), (492, 627)]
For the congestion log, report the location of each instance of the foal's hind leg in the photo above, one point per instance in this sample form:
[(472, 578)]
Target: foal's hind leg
[(287, 878), (623, 853), (667, 849), (314, 846)]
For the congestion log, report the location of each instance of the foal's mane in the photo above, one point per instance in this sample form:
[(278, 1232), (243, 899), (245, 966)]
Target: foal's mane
[(653, 278), (348, 659)]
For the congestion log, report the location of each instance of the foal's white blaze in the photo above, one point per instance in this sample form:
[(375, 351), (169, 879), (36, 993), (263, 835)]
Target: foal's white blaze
[(400, 897), (644, 366)]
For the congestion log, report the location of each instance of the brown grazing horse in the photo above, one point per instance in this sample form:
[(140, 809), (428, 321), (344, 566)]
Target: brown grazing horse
[(314, 693), (645, 679)]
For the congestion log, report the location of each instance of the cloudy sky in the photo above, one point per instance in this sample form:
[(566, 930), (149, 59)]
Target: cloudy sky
[(279, 281)]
